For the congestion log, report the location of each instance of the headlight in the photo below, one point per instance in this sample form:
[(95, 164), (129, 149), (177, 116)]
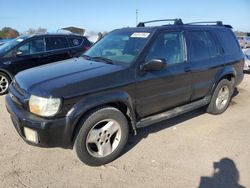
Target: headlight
[(44, 106)]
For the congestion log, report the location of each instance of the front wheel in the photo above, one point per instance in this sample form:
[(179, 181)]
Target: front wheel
[(102, 136), (221, 97), (4, 83)]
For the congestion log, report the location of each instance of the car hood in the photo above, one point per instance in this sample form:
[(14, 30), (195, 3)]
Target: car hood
[(1, 53), (67, 78)]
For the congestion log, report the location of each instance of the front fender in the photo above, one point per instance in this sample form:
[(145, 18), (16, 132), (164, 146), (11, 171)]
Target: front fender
[(93, 101), (8, 73)]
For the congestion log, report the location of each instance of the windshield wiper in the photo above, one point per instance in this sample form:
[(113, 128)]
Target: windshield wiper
[(103, 59), (86, 57)]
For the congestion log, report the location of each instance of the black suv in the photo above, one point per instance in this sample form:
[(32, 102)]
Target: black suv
[(30, 51), (132, 78)]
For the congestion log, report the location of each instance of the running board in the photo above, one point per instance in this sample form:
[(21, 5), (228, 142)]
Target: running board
[(172, 113)]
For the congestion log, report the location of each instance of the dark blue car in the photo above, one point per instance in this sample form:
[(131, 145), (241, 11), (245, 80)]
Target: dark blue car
[(26, 52)]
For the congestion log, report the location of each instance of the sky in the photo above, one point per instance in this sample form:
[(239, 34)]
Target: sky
[(106, 15)]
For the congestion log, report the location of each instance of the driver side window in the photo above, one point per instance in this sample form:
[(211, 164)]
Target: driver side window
[(168, 46), (32, 47)]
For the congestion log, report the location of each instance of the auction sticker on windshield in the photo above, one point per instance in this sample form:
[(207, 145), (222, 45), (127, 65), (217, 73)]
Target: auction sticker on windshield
[(140, 35)]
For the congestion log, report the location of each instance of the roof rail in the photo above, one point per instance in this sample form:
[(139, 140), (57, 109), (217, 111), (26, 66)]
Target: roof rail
[(209, 22), (218, 23), (177, 21)]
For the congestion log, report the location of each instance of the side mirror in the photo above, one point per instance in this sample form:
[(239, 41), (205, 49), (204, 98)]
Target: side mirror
[(18, 53), (154, 65)]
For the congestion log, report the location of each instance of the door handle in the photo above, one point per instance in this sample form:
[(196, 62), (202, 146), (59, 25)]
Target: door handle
[(41, 56), (7, 62), (187, 69)]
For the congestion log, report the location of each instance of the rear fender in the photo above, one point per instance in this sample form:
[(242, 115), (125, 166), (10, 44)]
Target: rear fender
[(226, 71)]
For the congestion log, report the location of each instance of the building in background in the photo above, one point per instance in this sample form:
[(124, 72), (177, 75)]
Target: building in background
[(75, 30), (239, 33)]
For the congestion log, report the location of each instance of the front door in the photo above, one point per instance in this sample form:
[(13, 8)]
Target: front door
[(161, 90), (28, 55)]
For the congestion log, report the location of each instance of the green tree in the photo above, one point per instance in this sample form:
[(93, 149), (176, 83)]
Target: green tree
[(39, 30), (8, 32)]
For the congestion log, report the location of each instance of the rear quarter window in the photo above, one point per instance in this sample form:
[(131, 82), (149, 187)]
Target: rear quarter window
[(75, 41), (228, 41)]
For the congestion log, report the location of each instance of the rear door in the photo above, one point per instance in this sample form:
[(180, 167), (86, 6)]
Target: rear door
[(205, 59), (161, 90), (57, 48)]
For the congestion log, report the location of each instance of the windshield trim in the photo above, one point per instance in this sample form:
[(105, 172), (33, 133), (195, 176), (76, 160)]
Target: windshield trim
[(24, 38)]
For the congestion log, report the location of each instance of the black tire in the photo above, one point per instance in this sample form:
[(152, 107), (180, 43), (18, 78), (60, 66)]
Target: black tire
[(213, 108), (4, 83), (81, 147)]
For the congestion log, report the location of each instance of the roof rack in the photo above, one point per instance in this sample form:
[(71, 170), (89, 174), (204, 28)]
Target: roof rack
[(177, 21)]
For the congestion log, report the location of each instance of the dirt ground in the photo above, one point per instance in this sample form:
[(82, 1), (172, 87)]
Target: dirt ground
[(181, 152)]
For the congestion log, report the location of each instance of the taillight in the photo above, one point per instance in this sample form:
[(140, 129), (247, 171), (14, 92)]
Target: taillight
[(86, 48)]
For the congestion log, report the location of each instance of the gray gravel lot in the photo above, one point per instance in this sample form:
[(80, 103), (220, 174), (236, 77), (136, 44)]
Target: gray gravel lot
[(177, 153)]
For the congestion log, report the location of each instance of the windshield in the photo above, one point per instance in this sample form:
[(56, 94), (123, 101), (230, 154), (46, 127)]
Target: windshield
[(10, 44), (119, 46)]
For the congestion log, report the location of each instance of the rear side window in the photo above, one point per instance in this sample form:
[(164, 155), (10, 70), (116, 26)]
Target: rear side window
[(75, 41), (213, 49), (54, 43), (228, 41), (203, 45)]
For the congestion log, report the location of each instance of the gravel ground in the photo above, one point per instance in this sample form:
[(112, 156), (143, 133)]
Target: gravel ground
[(180, 152)]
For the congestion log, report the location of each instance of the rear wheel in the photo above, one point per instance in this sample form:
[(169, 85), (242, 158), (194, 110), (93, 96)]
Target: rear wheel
[(4, 83), (221, 97), (102, 137)]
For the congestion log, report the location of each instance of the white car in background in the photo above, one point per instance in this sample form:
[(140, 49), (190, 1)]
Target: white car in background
[(247, 60), (244, 41)]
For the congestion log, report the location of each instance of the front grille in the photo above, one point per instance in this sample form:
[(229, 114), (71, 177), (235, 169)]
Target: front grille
[(18, 88)]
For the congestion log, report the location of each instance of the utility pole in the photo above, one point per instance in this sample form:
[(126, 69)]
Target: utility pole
[(136, 16)]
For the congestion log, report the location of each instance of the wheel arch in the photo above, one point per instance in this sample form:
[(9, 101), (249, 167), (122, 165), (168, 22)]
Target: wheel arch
[(117, 99), (228, 73), (7, 73)]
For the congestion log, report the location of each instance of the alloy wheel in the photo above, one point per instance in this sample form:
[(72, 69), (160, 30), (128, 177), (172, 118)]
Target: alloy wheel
[(223, 97), (103, 138), (4, 84)]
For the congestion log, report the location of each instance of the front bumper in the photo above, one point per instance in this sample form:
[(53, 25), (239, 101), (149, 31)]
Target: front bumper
[(50, 133)]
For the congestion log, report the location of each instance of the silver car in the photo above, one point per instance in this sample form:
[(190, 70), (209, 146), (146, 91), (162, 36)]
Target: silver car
[(247, 60), (244, 41)]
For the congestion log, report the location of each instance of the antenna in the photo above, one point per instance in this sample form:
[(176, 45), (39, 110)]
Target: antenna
[(136, 16)]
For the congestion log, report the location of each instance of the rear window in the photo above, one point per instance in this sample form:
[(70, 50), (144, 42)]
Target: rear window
[(228, 41), (54, 43)]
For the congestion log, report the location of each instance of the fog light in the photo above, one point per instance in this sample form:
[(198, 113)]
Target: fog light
[(30, 135)]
